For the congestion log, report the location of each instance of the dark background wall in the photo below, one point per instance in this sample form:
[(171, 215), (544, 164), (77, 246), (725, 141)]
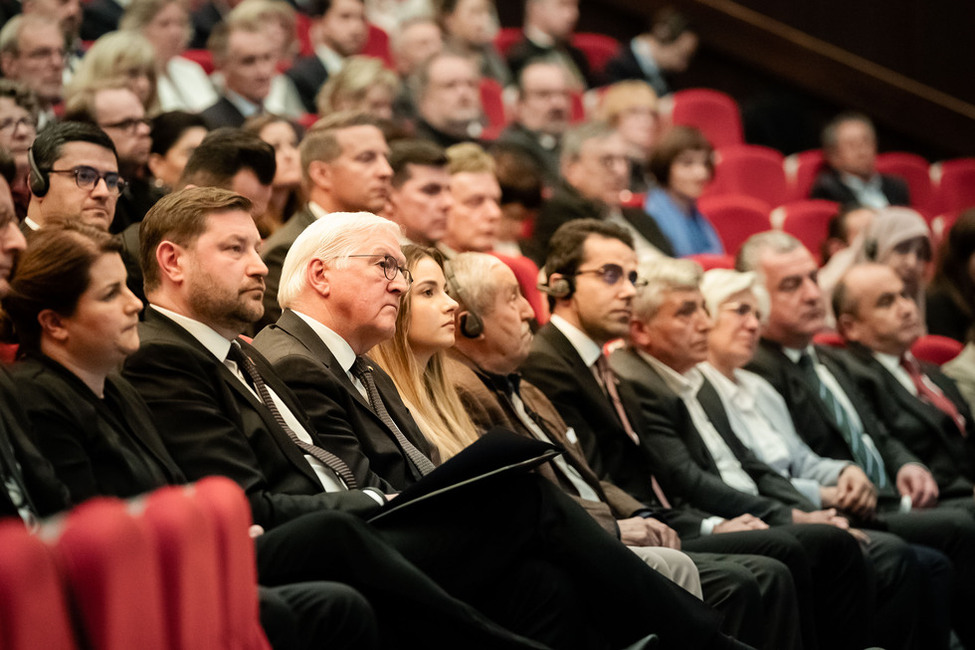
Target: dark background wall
[(792, 64)]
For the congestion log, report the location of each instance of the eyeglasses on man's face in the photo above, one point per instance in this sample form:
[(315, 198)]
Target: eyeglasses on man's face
[(87, 178), (390, 266), (611, 274), (129, 126)]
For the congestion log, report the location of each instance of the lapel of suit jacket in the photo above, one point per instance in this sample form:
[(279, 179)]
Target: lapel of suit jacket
[(587, 380), (904, 399), (291, 451)]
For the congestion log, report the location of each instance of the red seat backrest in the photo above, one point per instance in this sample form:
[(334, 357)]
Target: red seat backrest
[(109, 558), (33, 607), (378, 45), (752, 170), (526, 272), (598, 48), (801, 170), (936, 349), (715, 113), (735, 217), (956, 186), (808, 221), (506, 38), (916, 171)]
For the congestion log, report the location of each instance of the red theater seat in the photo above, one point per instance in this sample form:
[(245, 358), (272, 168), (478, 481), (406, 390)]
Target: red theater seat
[(807, 220), (714, 112), (735, 217), (752, 170)]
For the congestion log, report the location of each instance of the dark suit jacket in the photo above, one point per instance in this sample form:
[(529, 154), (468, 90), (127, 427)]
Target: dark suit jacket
[(223, 113), (682, 461), (829, 186), (567, 204), (548, 159), (487, 402), (555, 367), (525, 51), (98, 446), (308, 75), (204, 20), (100, 17), (21, 462), (275, 249), (625, 66), (922, 427), (347, 425), (812, 419), (212, 423)]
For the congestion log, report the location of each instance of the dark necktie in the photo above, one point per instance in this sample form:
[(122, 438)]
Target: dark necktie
[(363, 370), (933, 396), (865, 457), (608, 379), (327, 458)]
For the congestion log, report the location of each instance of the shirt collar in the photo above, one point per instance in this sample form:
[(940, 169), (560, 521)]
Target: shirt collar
[(794, 354), (736, 390), (242, 104), (332, 60), (889, 361), (216, 343), (685, 385), (538, 37), (584, 346), (316, 210), (337, 345), (857, 183)]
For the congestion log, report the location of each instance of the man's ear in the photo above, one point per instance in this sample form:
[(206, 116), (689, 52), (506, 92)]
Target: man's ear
[(849, 327), (52, 325), (639, 333), (317, 275), (169, 258), (320, 174)]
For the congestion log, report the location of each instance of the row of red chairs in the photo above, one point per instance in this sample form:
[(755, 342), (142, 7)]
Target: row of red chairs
[(174, 570)]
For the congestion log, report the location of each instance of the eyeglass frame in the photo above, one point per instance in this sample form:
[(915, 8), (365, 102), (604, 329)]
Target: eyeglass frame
[(119, 183), (607, 271), (742, 309), (128, 125), (26, 120), (386, 265)]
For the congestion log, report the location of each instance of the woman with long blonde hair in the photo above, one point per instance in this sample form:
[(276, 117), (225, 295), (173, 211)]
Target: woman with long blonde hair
[(414, 356)]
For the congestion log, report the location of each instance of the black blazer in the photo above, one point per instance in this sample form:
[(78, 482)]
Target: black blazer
[(99, 17), (625, 66), (922, 427), (684, 465), (525, 51), (212, 423), (829, 186), (568, 204), (20, 460), (308, 75), (98, 446), (556, 369), (223, 113), (276, 248), (812, 419), (346, 423)]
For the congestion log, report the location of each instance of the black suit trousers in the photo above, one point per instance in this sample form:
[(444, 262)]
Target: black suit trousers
[(314, 615)]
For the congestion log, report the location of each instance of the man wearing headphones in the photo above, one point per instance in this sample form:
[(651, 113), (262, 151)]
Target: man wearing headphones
[(73, 175)]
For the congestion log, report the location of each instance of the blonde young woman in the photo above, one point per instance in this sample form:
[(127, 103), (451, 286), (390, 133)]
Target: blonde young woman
[(414, 356), (363, 84), (630, 107), (123, 55)]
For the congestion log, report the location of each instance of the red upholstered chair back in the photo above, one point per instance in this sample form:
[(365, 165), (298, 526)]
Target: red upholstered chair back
[(526, 272), (752, 170), (507, 37), (936, 349), (807, 220), (712, 111), (735, 217), (801, 170), (203, 57), (188, 552), (710, 261), (830, 339), (33, 606), (956, 184), (109, 559), (916, 172), (377, 45), (225, 504), (598, 48)]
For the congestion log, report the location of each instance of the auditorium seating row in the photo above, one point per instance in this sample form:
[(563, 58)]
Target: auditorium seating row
[(173, 570)]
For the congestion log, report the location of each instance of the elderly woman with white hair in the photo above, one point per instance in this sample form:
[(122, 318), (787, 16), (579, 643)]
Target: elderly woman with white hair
[(898, 237), (756, 412)]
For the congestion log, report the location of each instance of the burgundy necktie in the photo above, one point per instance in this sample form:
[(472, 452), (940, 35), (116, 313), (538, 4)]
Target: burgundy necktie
[(932, 395), (608, 378)]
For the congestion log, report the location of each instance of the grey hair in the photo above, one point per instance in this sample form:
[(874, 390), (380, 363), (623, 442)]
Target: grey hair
[(718, 285), (829, 135), (660, 276), (471, 276), (333, 237), (10, 34), (576, 137), (774, 241)]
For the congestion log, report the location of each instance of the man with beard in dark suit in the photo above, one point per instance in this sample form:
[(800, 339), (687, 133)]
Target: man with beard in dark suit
[(836, 421), (516, 547)]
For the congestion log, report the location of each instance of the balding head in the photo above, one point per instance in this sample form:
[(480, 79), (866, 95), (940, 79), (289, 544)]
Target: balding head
[(873, 308)]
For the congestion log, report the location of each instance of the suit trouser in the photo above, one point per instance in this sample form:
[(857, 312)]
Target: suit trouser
[(316, 615), (526, 516)]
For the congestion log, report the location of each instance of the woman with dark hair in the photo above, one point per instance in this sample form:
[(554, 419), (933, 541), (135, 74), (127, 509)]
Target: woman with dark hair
[(414, 356), (175, 135), (951, 295), (683, 164), (286, 186)]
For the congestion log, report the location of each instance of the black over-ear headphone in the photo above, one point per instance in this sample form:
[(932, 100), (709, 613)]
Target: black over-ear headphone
[(471, 325), (36, 179), (560, 288)]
